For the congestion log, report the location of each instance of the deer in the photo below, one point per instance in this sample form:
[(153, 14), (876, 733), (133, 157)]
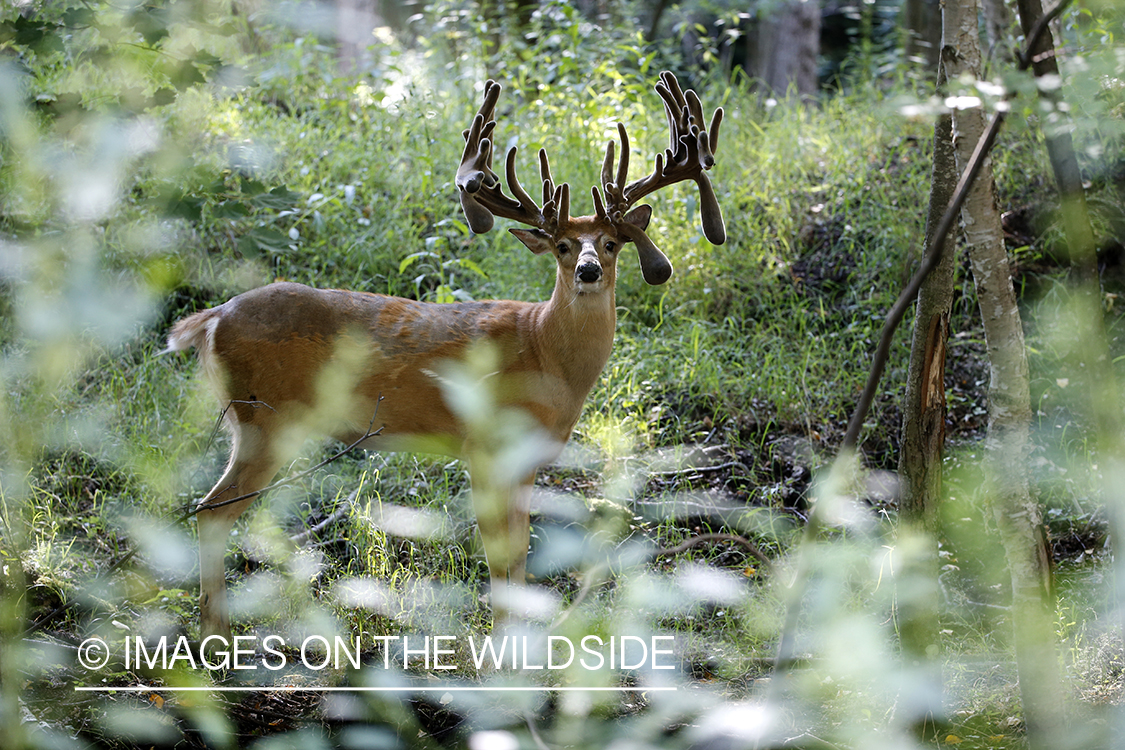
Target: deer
[(290, 362)]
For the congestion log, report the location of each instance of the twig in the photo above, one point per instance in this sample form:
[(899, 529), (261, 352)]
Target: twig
[(716, 537), (196, 508), (529, 717), (344, 509), (699, 469), (593, 574)]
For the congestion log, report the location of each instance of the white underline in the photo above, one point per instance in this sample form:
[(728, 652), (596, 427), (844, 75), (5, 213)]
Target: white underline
[(399, 689)]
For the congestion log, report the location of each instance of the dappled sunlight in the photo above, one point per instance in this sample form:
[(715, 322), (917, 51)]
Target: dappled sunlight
[(705, 568)]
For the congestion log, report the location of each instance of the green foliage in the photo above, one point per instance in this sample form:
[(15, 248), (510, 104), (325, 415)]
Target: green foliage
[(152, 166)]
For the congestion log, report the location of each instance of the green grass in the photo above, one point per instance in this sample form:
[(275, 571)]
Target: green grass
[(755, 351)]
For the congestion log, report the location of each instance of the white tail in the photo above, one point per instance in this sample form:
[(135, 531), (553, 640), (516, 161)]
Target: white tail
[(289, 361)]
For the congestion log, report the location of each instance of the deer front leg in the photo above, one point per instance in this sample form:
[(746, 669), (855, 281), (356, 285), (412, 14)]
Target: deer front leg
[(504, 517), (519, 533)]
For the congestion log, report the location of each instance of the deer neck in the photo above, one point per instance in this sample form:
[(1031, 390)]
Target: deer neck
[(577, 333)]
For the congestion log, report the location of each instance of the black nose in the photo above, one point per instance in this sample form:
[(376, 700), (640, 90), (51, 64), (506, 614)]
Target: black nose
[(589, 272)]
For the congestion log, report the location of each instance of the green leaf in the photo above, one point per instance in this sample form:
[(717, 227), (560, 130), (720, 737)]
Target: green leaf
[(266, 239), (27, 32), (247, 248), (461, 227), (250, 186), (471, 265), (280, 199), (75, 17), (163, 97), (151, 23), (409, 259), (206, 59), (176, 204), (232, 209), (185, 76)]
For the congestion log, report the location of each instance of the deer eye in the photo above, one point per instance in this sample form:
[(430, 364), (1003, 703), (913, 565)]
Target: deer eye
[(563, 249), (610, 246)]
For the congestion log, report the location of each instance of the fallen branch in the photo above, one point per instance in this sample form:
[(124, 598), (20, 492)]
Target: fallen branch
[(716, 537), (341, 512)]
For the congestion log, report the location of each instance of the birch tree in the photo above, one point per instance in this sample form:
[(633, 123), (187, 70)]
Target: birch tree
[(1017, 513)]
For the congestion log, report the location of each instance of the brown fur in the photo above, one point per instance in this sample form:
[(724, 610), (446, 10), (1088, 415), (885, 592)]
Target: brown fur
[(290, 361)]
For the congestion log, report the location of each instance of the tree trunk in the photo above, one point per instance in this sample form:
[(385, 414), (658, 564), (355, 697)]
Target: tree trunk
[(923, 426), (1060, 149), (1017, 514), (787, 43), (654, 22), (998, 25), (1094, 349), (923, 439), (355, 22), (921, 21)]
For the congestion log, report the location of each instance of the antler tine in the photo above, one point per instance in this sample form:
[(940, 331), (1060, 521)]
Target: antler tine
[(599, 207), (713, 130), (514, 184), (690, 153), (564, 204), (694, 107), (623, 166), (482, 197), (607, 165), (545, 176), (492, 91)]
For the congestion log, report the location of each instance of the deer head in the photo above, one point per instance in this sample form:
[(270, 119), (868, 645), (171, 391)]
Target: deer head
[(617, 219)]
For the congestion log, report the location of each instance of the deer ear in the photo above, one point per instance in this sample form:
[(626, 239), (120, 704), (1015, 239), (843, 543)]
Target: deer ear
[(537, 240), (639, 216)]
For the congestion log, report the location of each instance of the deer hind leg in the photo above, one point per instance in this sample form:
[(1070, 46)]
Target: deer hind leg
[(253, 464)]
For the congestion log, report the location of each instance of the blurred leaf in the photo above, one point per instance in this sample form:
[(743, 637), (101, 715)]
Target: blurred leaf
[(472, 266), (185, 75), (409, 260), (173, 202), (250, 186), (163, 96), (151, 23), (280, 199), (22, 31), (264, 239), (232, 209), (79, 17)]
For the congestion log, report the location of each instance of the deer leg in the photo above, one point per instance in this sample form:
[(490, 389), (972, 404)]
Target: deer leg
[(250, 469), (503, 517), (519, 530)]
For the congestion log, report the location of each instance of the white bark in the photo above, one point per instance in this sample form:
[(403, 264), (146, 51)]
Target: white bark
[(1017, 513)]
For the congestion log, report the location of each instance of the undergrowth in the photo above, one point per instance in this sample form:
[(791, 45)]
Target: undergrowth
[(728, 389)]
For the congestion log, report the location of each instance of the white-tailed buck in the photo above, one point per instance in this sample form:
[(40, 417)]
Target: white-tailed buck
[(289, 361)]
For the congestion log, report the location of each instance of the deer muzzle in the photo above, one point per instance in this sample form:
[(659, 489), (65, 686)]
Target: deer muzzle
[(588, 270)]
